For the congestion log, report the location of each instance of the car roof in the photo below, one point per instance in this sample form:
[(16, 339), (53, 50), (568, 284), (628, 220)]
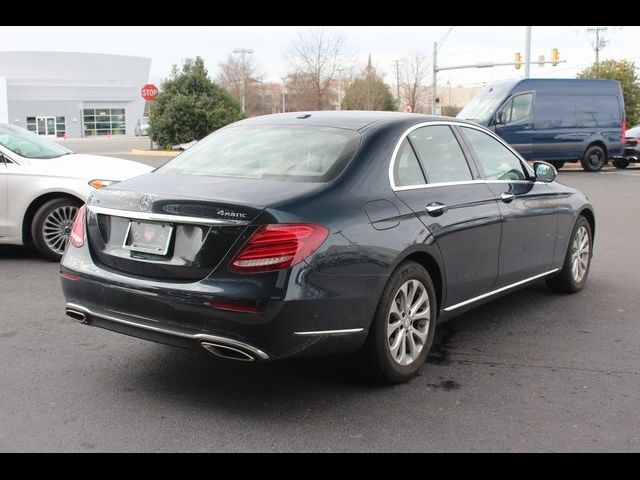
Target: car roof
[(348, 119)]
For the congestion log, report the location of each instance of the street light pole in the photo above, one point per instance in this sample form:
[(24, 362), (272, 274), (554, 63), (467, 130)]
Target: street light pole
[(243, 52), (339, 89)]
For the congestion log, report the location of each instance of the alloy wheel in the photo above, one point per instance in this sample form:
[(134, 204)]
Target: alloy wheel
[(57, 226), (580, 254), (408, 322)]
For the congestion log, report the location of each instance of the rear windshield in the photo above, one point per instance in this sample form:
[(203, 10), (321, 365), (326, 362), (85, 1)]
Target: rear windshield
[(274, 152)]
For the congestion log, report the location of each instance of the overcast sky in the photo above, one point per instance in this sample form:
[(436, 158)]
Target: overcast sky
[(169, 45)]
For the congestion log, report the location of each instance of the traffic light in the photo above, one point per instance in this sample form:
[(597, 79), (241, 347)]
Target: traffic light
[(518, 60), (555, 57)]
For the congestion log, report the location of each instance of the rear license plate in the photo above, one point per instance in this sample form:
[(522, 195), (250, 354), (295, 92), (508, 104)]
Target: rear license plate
[(148, 237)]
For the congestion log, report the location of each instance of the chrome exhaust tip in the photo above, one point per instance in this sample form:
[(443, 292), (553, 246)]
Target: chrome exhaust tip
[(76, 315), (225, 351)]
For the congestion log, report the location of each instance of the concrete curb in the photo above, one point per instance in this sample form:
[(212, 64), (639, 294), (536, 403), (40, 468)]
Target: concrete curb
[(155, 153)]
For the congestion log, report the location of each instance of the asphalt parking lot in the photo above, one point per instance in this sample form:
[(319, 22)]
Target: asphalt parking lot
[(534, 371)]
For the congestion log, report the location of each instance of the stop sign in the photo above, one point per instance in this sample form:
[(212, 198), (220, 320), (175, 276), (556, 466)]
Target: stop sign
[(149, 92)]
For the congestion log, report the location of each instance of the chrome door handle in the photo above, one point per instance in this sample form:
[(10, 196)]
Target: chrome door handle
[(506, 197), (436, 209)]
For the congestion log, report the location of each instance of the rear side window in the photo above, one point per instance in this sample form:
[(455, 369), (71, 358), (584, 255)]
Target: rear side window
[(597, 111), (274, 152), (407, 171), (440, 154), (554, 111), (498, 162)]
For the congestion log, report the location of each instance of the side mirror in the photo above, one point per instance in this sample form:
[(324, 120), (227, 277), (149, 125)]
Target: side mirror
[(545, 172)]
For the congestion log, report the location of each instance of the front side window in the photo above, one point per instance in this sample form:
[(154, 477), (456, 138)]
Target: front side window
[(274, 152), (517, 109), (440, 154), (497, 161)]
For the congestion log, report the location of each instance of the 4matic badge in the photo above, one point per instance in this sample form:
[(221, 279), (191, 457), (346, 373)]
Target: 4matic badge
[(229, 214)]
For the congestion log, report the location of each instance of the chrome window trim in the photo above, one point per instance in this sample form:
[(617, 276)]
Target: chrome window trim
[(499, 290), (166, 218), (346, 331), (196, 337), (451, 123)]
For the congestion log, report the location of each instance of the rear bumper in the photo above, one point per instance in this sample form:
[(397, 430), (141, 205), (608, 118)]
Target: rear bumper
[(301, 312), (155, 333)]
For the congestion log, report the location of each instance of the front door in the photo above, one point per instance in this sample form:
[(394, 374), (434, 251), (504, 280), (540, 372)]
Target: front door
[(434, 179), (46, 126), (514, 123), (528, 208)]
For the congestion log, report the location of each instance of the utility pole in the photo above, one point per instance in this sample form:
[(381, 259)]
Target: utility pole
[(284, 107), (243, 52), (527, 53), (397, 62), (599, 42), (339, 71), (434, 83)]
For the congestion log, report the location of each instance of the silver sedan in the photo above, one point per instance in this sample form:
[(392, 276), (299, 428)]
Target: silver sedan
[(42, 184)]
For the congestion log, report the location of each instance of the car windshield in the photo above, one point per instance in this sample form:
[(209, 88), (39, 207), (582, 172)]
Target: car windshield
[(275, 152), (485, 102), (144, 121), (29, 145)]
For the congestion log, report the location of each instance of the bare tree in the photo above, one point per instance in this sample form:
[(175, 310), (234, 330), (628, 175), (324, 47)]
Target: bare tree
[(413, 73), (314, 58), (231, 74)]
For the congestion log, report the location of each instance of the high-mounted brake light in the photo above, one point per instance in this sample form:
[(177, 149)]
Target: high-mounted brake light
[(278, 247), (77, 231)]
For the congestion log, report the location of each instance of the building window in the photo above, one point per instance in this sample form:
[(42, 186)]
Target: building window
[(61, 126), (31, 124), (103, 121)]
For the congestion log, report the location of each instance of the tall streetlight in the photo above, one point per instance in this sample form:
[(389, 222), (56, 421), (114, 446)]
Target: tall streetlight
[(243, 52)]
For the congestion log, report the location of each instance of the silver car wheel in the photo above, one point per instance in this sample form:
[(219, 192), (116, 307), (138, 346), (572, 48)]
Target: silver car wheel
[(408, 322), (56, 228), (580, 251)]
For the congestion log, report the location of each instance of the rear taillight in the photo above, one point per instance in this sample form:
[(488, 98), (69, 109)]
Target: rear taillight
[(278, 247), (77, 231), (624, 131)]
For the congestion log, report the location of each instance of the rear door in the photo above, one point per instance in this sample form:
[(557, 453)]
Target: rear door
[(529, 209), (433, 177), (514, 123)]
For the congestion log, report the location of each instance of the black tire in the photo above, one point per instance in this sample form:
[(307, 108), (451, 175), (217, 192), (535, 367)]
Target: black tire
[(565, 281), (594, 158), (379, 356), (70, 205), (621, 163), (558, 165)]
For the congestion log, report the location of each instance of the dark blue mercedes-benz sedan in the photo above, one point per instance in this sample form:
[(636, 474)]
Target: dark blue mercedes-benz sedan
[(323, 232)]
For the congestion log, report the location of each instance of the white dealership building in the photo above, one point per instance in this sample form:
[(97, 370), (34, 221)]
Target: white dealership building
[(77, 94)]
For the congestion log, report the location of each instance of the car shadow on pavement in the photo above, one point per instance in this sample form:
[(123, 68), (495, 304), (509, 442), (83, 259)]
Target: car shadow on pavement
[(286, 387), (14, 252)]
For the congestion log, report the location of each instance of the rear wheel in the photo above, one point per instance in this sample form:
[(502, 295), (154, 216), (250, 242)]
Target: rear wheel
[(557, 164), (577, 261), (594, 158), (404, 324), (621, 163), (51, 226)]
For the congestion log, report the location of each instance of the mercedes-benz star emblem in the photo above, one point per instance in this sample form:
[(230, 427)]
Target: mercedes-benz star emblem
[(145, 202)]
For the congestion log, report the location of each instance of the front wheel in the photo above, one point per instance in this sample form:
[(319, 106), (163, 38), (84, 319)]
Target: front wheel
[(594, 158), (51, 226), (404, 324), (577, 261)]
